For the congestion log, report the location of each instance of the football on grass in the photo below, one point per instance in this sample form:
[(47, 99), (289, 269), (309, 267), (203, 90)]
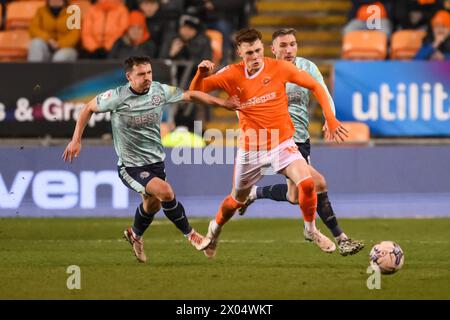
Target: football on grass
[(386, 257)]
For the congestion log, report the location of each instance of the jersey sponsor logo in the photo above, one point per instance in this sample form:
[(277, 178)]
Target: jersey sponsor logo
[(142, 120), (259, 100), (106, 95), (298, 96)]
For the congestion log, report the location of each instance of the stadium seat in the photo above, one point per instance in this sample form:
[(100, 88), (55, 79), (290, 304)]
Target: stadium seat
[(216, 39), (20, 13), (14, 45), (358, 131), (364, 45), (406, 43)]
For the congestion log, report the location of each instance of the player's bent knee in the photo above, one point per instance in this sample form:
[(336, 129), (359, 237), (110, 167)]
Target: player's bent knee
[(307, 186), (166, 193), (321, 184), (292, 198)]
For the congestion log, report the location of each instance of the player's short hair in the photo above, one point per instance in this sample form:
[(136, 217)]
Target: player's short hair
[(249, 35), (283, 32), (132, 61)]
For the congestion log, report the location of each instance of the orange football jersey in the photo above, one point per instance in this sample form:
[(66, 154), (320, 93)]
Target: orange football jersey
[(264, 119)]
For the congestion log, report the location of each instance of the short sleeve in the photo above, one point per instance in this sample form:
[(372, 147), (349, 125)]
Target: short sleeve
[(172, 94), (108, 100)]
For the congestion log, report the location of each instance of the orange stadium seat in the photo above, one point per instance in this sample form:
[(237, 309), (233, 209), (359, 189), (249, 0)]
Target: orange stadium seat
[(14, 45), (216, 39), (364, 45), (20, 13), (406, 43), (358, 131)]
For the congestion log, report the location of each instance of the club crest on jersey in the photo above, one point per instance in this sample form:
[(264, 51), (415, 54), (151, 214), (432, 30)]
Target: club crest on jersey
[(156, 100), (106, 95), (266, 80), (144, 174)]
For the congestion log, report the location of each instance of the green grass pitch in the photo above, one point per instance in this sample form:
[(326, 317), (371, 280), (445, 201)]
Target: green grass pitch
[(257, 259)]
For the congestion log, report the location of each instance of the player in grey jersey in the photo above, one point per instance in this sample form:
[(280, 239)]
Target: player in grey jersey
[(136, 110), (284, 47)]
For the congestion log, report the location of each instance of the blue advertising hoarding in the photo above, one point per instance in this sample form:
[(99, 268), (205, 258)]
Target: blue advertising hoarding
[(381, 181), (395, 98)]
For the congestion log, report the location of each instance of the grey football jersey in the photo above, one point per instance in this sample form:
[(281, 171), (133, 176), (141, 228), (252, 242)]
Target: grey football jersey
[(135, 121)]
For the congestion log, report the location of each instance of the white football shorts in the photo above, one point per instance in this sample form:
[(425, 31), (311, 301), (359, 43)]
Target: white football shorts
[(251, 166)]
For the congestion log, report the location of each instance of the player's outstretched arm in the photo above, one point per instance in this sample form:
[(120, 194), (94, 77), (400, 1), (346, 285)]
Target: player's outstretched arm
[(335, 130), (203, 69), (232, 103), (74, 147)]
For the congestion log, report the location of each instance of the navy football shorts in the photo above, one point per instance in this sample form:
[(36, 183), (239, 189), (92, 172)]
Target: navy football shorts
[(305, 150), (136, 178)]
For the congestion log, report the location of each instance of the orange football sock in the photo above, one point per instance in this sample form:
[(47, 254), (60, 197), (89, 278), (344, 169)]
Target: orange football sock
[(227, 210), (307, 198)]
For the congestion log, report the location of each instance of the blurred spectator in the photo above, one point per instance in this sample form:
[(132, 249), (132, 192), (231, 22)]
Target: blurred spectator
[(360, 17), (191, 42), (2, 14), (136, 40), (157, 25), (224, 16), (52, 40), (414, 14), (437, 45), (250, 9), (172, 10), (104, 23), (132, 4)]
